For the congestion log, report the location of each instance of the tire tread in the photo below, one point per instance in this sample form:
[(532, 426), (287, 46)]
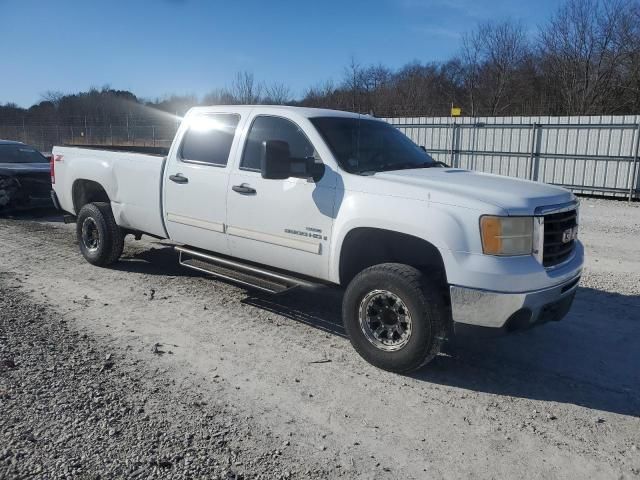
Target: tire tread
[(117, 238), (421, 287), (113, 241)]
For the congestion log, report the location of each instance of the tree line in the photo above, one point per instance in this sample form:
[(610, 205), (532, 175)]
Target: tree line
[(584, 60)]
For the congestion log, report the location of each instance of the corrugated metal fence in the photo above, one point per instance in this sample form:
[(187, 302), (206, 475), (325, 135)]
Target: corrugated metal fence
[(588, 154)]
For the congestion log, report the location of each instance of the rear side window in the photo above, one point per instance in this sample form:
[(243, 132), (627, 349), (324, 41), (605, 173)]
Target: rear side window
[(18, 153), (208, 139), (274, 128)]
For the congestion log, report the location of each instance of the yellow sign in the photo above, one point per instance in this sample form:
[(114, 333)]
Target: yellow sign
[(456, 111)]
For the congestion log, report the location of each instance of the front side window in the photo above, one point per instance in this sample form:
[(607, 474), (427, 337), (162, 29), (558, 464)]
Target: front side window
[(266, 128), (208, 139), (364, 145)]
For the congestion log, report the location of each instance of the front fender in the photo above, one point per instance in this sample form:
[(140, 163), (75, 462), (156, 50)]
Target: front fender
[(446, 227)]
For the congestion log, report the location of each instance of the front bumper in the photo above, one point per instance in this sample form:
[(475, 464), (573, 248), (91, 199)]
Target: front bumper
[(511, 311)]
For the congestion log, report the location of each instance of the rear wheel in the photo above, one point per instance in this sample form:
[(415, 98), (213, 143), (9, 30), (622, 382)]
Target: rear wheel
[(395, 316), (100, 239)]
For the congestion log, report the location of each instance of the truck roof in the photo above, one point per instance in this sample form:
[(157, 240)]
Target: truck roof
[(10, 142), (301, 111)]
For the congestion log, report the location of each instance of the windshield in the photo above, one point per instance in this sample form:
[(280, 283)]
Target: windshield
[(20, 154), (365, 145)]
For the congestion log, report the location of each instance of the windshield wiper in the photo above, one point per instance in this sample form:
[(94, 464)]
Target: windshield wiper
[(442, 164), (404, 166), (388, 167)]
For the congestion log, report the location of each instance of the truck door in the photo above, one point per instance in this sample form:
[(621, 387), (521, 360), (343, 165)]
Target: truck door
[(195, 183), (282, 223)]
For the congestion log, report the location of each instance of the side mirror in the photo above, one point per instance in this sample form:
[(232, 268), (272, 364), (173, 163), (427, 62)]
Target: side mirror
[(275, 160), (276, 163)]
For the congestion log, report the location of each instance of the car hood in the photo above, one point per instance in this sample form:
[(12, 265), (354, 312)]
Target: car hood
[(473, 189), (19, 168)]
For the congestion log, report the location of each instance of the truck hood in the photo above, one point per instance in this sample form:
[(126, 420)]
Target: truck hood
[(475, 190), (22, 168)]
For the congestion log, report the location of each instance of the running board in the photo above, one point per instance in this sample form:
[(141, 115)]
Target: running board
[(238, 272)]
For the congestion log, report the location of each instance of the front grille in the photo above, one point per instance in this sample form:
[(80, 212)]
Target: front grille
[(555, 249)]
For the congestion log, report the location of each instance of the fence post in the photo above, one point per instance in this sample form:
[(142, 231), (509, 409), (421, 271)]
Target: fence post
[(634, 168), (153, 133), (532, 150), (534, 157), (454, 143)]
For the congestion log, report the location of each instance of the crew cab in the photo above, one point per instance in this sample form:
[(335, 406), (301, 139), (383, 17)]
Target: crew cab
[(277, 197)]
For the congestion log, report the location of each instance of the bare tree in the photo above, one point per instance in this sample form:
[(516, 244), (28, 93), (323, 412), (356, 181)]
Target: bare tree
[(580, 53), (470, 59), (627, 41), (374, 85), (277, 94), (220, 96), (505, 49), (353, 82), (245, 89), (53, 96), (492, 56), (320, 95)]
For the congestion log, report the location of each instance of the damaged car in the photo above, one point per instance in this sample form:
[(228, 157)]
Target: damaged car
[(25, 177)]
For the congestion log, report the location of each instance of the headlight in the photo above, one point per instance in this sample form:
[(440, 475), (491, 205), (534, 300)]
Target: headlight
[(506, 235)]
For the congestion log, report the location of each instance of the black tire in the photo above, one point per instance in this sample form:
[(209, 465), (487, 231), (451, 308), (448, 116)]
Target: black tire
[(105, 246), (421, 296)]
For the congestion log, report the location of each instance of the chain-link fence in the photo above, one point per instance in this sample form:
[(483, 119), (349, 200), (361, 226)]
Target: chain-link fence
[(44, 137)]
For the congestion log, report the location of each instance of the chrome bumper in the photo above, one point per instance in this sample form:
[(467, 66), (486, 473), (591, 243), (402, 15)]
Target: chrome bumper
[(511, 311)]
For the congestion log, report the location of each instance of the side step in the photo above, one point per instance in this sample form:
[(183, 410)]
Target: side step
[(242, 273)]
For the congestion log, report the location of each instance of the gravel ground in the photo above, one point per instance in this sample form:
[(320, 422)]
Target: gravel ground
[(73, 407), (149, 370)]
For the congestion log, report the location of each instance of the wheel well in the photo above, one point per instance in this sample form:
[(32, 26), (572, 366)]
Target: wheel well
[(87, 191), (365, 247)]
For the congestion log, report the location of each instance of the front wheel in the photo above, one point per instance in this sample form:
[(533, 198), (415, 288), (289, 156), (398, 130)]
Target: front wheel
[(100, 239), (394, 316)]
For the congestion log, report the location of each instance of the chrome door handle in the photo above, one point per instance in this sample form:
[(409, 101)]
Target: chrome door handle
[(244, 189)]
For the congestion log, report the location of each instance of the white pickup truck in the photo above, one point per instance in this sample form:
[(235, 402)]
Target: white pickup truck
[(278, 197)]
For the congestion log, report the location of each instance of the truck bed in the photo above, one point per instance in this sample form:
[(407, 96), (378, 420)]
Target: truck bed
[(147, 150), (132, 181)]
